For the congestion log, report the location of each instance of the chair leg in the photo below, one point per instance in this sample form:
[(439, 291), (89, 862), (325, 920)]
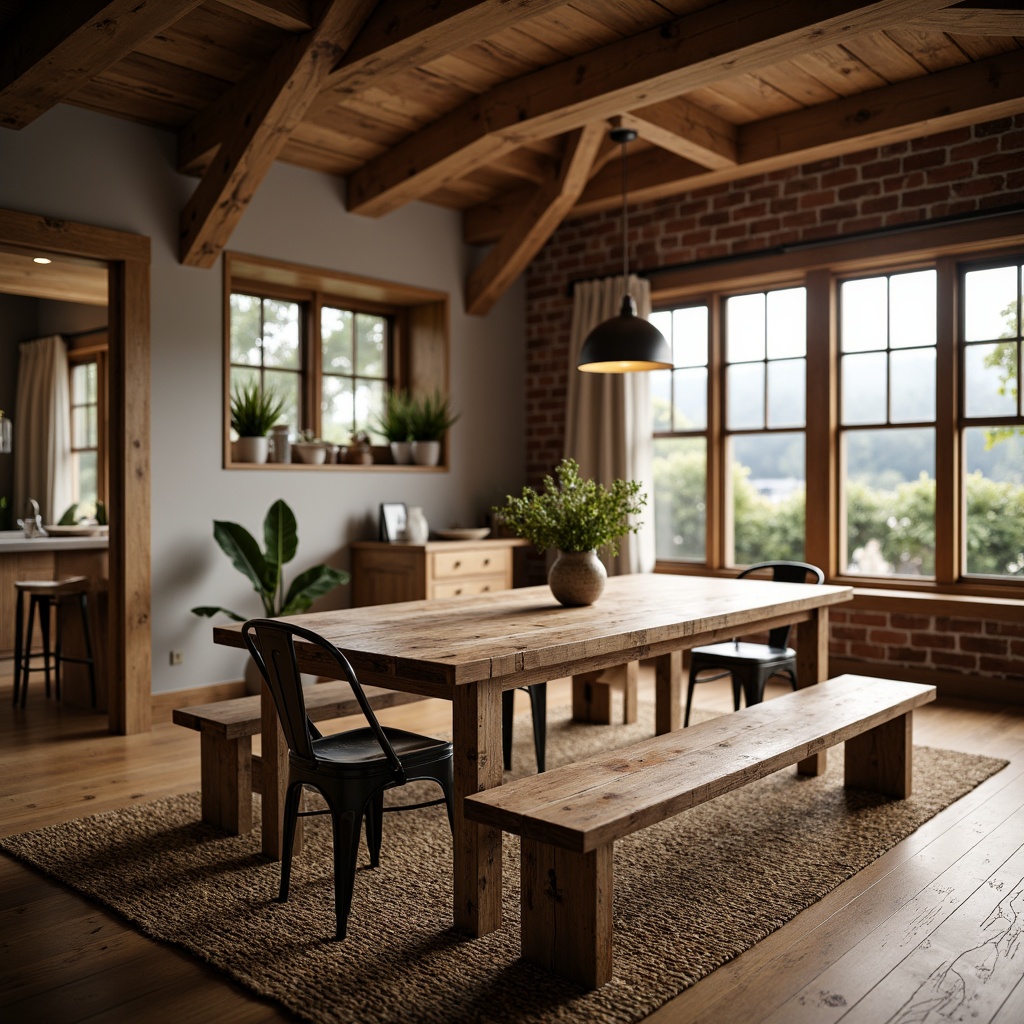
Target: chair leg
[(84, 604), (19, 622), (291, 817), (689, 697), (374, 815), (44, 626), (508, 698), (539, 706), (735, 691), (57, 650), (346, 847), (28, 651)]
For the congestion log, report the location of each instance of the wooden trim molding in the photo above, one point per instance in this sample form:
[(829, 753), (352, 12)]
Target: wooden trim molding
[(127, 259)]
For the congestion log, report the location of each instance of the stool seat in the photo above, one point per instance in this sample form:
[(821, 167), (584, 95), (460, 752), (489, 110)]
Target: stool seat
[(44, 596)]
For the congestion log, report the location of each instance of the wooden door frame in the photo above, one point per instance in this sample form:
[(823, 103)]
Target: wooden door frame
[(127, 256)]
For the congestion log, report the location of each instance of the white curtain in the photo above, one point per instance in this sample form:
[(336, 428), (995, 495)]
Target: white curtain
[(607, 425), (42, 429)]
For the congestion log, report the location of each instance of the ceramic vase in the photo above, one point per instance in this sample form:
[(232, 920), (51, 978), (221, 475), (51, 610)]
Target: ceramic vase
[(577, 577), (252, 449), (416, 528), (426, 453)]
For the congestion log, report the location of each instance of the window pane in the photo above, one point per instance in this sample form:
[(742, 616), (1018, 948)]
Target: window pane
[(990, 304), (744, 320), (336, 340), (286, 387), (371, 345), (680, 497), (245, 330), (281, 334), (994, 469), (660, 385), (890, 502), (991, 379), (912, 386), (912, 309), (84, 478), (787, 323), (768, 484), (662, 320), (863, 304), (863, 381), (786, 393), (369, 406), (745, 396), (689, 334), (690, 408), (337, 410)]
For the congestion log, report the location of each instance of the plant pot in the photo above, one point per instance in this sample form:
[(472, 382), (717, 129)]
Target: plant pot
[(426, 453), (252, 449), (577, 577), (401, 452), (311, 453)]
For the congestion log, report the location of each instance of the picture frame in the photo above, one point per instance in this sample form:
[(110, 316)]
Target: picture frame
[(392, 521)]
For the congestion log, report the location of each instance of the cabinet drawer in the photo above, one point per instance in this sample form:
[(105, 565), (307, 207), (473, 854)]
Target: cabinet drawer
[(454, 564), (477, 585)]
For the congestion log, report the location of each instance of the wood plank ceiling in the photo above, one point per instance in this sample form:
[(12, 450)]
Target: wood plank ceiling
[(500, 108)]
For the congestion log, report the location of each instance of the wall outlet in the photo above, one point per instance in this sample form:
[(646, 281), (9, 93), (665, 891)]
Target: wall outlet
[(177, 657)]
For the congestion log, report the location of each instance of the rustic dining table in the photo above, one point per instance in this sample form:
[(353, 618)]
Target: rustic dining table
[(468, 650)]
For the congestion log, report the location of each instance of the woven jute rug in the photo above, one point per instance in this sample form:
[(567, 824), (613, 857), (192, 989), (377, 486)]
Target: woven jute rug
[(690, 894)]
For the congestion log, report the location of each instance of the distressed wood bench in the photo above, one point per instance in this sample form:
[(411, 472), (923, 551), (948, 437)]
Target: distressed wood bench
[(569, 818), (229, 770)]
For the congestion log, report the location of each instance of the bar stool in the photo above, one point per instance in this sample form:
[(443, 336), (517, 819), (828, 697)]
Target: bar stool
[(46, 595)]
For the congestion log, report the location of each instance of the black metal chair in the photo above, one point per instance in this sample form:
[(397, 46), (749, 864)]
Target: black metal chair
[(351, 770), (751, 665), (538, 694)]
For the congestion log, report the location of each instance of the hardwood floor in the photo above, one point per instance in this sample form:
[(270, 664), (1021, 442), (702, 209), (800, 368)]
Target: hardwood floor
[(933, 925)]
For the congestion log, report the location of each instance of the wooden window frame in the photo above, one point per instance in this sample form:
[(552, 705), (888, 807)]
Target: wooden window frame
[(819, 267), (418, 346)]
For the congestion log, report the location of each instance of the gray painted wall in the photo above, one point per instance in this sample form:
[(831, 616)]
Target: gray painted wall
[(99, 170)]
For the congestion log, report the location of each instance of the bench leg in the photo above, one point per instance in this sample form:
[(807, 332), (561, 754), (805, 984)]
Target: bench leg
[(567, 911), (811, 668), (882, 759), (226, 771)]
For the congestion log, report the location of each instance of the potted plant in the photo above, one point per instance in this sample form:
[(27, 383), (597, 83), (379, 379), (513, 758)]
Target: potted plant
[(577, 517), (263, 569), (253, 412), (394, 424), (430, 416)]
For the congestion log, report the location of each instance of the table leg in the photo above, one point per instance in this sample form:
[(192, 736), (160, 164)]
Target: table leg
[(811, 668), (668, 691), (275, 779), (476, 728)]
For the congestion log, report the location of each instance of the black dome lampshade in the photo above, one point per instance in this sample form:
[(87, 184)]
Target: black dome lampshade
[(625, 343)]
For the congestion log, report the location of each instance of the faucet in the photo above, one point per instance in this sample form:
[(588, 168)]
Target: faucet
[(33, 523)]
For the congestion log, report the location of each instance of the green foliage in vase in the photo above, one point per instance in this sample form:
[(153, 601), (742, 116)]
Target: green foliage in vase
[(254, 411), (263, 568), (395, 422), (574, 514), (430, 416)]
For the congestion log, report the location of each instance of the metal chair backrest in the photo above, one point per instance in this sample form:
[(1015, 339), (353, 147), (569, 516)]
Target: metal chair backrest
[(785, 572), (271, 643)]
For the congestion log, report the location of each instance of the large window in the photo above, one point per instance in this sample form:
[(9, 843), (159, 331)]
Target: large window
[(864, 417), (330, 345)]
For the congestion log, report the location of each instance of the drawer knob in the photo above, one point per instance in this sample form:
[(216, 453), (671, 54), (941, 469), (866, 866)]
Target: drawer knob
[(458, 591), (457, 564), (487, 587), (487, 561)]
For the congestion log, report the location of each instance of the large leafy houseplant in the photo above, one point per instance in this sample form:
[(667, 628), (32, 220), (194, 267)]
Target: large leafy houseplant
[(574, 514), (264, 568)]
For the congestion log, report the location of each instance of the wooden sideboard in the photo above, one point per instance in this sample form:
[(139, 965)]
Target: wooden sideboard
[(383, 573)]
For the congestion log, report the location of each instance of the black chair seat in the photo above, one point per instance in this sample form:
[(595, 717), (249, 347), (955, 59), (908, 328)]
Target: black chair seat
[(750, 665), (351, 770)]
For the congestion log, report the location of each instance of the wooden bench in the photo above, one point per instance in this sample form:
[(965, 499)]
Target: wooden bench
[(569, 817), (229, 771)]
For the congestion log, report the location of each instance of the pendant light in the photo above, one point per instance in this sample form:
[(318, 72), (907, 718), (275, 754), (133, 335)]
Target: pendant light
[(625, 343)]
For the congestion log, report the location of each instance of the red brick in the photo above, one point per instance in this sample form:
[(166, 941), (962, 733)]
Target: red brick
[(940, 659), (983, 645), (888, 636), (957, 625), (1002, 666), (849, 633), (868, 653), (900, 620), (813, 200), (869, 618), (933, 640), (1000, 628), (908, 655)]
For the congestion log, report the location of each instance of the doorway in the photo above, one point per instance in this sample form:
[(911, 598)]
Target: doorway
[(126, 257)]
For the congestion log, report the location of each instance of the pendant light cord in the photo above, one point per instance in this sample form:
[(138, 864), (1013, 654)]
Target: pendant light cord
[(625, 226)]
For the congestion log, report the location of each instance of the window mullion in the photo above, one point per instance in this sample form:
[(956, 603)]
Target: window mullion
[(949, 507), (718, 496), (821, 440)]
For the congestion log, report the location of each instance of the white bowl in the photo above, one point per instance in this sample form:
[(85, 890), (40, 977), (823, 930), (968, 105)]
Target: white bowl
[(312, 453)]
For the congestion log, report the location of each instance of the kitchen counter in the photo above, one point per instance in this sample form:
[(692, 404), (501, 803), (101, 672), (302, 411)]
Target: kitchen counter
[(14, 542)]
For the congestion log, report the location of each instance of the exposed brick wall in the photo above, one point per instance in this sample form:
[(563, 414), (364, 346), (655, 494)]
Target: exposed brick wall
[(942, 175)]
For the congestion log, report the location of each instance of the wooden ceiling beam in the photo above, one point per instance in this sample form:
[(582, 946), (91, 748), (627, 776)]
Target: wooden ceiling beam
[(975, 21), (265, 109), (56, 48), (725, 40), (536, 222), (955, 98), (291, 15), (687, 130)]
